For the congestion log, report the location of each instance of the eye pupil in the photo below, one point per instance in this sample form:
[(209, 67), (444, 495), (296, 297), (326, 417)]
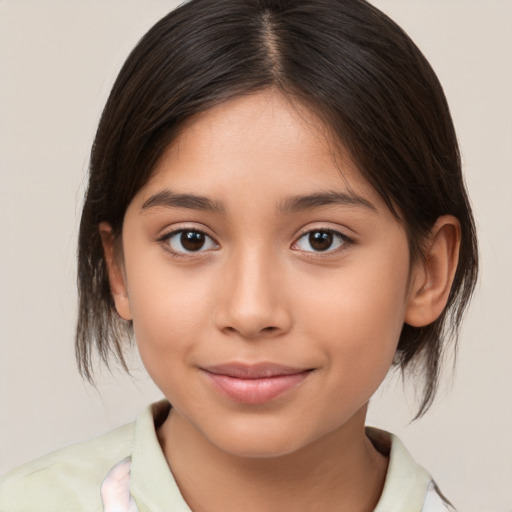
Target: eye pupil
[(320, 240), (192, 240)]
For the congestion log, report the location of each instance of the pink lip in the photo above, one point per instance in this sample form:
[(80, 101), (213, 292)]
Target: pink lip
[(255, 384)]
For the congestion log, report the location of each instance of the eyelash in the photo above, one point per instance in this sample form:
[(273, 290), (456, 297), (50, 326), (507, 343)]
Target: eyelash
[(343, 240), (166, 241)]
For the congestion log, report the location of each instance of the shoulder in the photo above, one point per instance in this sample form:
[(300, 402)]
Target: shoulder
[(67, 479)]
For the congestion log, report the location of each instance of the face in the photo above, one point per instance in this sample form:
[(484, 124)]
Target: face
[(267, 281)]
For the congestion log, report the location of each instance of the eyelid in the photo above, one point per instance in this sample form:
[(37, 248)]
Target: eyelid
[(184, 226)]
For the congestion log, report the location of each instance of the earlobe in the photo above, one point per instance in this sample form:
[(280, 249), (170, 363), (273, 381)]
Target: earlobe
[(115, 270), (433, 277)]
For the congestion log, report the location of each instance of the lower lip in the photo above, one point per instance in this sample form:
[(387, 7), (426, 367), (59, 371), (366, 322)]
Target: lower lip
[(256, 391)]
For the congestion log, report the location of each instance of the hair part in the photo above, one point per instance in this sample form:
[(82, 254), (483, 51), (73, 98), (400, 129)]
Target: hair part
[(352, 66)]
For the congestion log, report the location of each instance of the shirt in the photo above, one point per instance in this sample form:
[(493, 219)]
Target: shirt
[(126, 471)]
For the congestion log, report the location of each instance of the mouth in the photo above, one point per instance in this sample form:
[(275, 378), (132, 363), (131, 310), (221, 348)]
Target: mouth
[(256, 383)]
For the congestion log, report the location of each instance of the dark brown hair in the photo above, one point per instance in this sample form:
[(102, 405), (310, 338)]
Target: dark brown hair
[(344, 59)]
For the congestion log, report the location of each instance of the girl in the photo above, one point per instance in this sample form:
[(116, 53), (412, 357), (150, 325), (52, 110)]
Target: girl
[(276, 214)]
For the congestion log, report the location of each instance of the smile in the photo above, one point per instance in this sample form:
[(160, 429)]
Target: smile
[(254, 384)]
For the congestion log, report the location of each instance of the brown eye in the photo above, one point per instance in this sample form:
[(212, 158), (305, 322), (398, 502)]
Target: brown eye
[(321, 240), (192, 240), (189, 241)]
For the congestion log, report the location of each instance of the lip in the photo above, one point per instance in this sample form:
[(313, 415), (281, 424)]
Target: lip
[(255, 383)]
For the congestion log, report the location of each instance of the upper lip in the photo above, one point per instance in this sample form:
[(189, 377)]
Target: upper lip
[(253, 371)]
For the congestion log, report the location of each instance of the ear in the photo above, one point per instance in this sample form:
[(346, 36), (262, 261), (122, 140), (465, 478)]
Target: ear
[(432, 278), (116, 274)]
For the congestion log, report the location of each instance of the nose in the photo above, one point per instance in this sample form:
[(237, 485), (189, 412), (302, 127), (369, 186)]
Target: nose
[(253, 299)]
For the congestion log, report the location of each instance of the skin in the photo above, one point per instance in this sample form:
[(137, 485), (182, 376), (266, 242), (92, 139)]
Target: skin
[(258, 291)]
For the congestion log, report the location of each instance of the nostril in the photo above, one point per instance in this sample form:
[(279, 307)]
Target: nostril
[(265, 331)]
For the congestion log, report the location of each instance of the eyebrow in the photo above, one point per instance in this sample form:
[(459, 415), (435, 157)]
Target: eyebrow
[(169, 199), (319, 199)]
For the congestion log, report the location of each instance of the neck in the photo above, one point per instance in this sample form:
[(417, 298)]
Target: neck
[(340, 471)]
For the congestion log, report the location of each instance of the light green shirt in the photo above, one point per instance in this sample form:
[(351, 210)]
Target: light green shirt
[(71, 479)]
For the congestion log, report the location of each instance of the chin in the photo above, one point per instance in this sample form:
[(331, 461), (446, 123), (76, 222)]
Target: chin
[(266, 448), (258, 439)]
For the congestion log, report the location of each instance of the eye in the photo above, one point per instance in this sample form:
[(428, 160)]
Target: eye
[(321, 240), (189, 241)]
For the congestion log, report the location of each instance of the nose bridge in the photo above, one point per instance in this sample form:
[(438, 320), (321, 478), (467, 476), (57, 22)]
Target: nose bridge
[(254, 299)]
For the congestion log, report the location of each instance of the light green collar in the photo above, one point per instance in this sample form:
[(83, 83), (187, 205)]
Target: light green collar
[(152, 484), (155, 490), (406, 481)]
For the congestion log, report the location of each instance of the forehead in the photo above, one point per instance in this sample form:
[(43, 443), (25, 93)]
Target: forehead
[(263, 142)]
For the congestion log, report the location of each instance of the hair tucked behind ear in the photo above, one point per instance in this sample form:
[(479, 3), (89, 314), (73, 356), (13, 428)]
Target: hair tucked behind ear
[(346, 61)]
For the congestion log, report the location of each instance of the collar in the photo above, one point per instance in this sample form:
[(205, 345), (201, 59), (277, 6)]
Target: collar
[(406, 481), (155, 490), (152, 484)]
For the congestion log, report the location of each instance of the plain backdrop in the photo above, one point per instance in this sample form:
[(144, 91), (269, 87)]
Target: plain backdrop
[(58, 60)]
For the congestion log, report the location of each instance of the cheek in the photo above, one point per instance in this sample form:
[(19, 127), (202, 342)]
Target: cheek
[(170, 309), (357, 317)]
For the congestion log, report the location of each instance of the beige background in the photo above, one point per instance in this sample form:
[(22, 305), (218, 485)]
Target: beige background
[(58, 60)]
